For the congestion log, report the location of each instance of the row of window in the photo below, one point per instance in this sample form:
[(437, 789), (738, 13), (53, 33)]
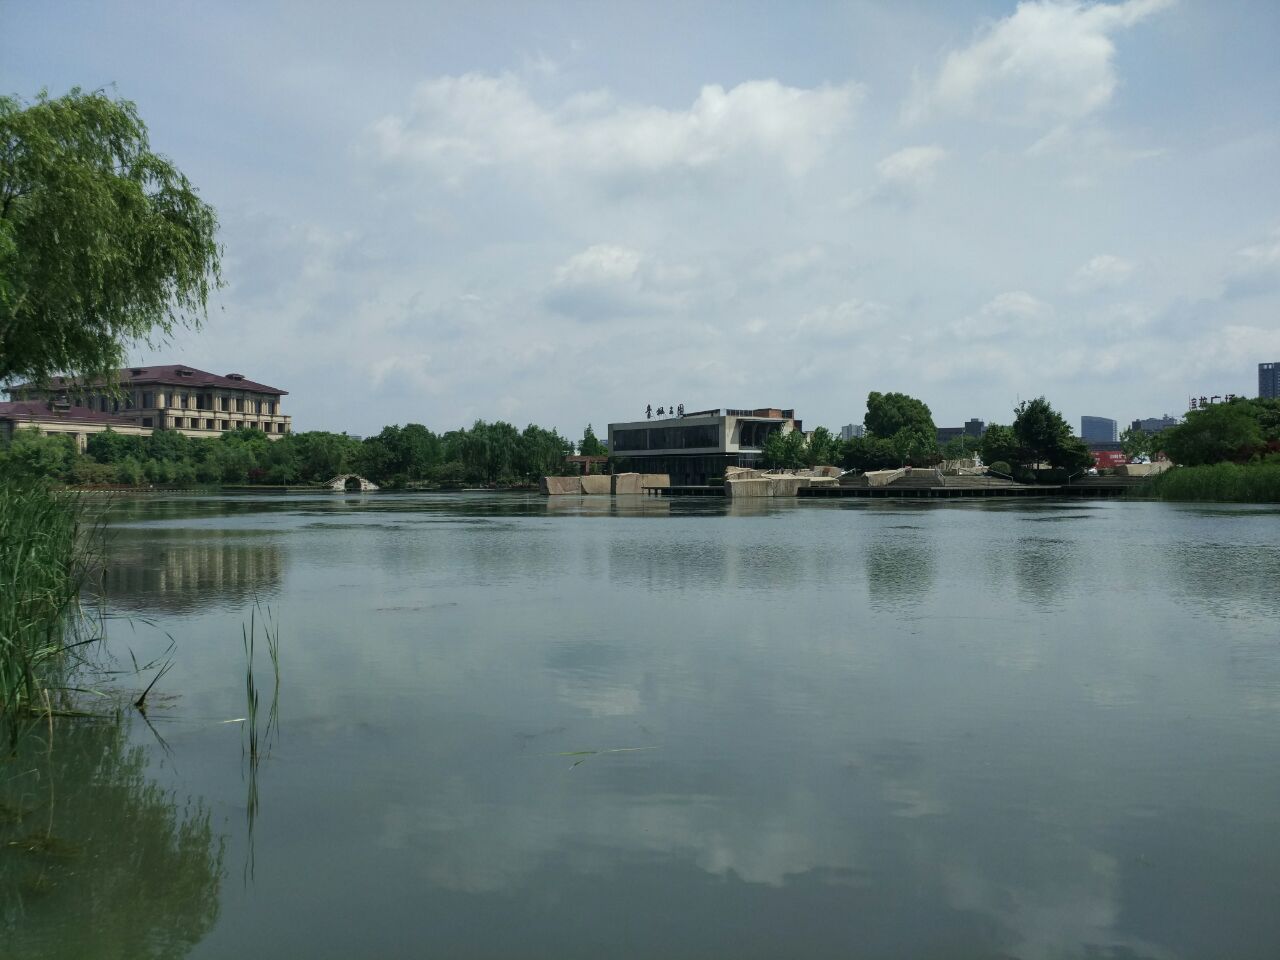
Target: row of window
[(195, 401), (200, 423)]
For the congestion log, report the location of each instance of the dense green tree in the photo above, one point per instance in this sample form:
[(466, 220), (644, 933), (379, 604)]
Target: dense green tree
[(784, 450), (1000, 444), (889, 413), (590, 446), (1045, 437), (869, 453), (102, 241), (168, 445), (1136, 442), (32, 454), (112, 447), (822, 448), (541, 453), (1216, 433)]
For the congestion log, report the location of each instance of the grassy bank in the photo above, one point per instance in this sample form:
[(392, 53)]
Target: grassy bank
[(1221, 482), (45, 554)]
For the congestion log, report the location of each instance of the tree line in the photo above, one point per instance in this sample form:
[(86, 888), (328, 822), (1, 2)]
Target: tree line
[(900, 431), (485, 454), (1242, 430)]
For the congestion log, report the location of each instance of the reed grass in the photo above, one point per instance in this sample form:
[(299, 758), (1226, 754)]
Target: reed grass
[(1219, 482), (249, 632), (48, 545)]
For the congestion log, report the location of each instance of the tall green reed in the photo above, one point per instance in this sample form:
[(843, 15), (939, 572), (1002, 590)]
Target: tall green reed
[(48, 546), (1221, 482)]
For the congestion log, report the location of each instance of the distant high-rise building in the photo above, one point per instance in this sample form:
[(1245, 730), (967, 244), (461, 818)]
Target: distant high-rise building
[(975, 427), (1154, 424), (1269, 380), (851, 430), (1098, 429)]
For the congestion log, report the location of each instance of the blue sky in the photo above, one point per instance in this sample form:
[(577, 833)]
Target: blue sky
[(558, 213)]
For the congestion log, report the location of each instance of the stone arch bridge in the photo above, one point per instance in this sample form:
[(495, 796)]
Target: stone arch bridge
[(350, 482)]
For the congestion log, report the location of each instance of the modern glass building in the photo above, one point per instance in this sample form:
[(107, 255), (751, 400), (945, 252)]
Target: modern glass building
[(1098, 429), (696, 447), (1269, 380)]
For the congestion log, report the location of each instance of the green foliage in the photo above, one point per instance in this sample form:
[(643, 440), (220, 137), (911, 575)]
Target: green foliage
[(43, 561), (890, 413), (1223, 482), (1043, 436), (869, 453), (488, 453), (823, 448), (1138, 443), (591, 445), (784, 451), (112, 447), (1235, 431), (102, 241), (33, 454), (1000, 445)]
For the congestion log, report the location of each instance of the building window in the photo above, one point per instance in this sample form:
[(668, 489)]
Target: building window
[(146, 421), (224, 425)]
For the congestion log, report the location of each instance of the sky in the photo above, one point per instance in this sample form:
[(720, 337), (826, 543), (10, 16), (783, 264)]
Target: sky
[(558, 213)]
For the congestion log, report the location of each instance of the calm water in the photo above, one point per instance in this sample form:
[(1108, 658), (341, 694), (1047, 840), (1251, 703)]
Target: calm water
[(513, 727)]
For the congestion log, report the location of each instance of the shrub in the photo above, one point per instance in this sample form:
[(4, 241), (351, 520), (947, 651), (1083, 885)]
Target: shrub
[(1001, 468), (1222, 482)]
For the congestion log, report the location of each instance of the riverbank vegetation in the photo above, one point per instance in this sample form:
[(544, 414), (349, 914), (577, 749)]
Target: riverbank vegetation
[(900, 431), (398, 456), (1219, 482), (102, 242), (46, 552), (1227, 452)]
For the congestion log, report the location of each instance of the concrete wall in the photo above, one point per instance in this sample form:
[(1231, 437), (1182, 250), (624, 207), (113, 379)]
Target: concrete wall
[(1142, 469), (881, 478), (625, 483), (748, 487), (560, 486)]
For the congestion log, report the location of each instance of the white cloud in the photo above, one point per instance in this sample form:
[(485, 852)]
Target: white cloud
[(1255, 269), (911, 167), (1015, 310), (1103, 272), (1048, 61), (458, 123), (605, 280), (840, 321)]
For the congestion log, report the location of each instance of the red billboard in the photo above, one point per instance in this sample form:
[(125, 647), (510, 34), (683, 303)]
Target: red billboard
[(1108, 458)]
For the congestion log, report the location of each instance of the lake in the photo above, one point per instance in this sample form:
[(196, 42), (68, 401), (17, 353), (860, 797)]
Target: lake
[(512, 726)]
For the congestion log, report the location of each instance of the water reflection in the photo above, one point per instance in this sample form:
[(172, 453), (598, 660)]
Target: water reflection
[(179, 571), (98, 860), (799, 730), (900, 567)]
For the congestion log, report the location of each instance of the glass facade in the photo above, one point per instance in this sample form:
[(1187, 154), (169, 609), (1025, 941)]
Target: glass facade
[(687, 437)]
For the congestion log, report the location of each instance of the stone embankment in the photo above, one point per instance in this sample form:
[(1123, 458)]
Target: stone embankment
[(600, 484), (744, 482)]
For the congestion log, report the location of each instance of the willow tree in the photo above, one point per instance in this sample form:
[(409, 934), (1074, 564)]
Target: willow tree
[(103, 242)]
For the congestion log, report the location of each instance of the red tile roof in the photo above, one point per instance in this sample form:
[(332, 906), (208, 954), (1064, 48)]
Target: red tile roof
[(41, 410), (169, 374)]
